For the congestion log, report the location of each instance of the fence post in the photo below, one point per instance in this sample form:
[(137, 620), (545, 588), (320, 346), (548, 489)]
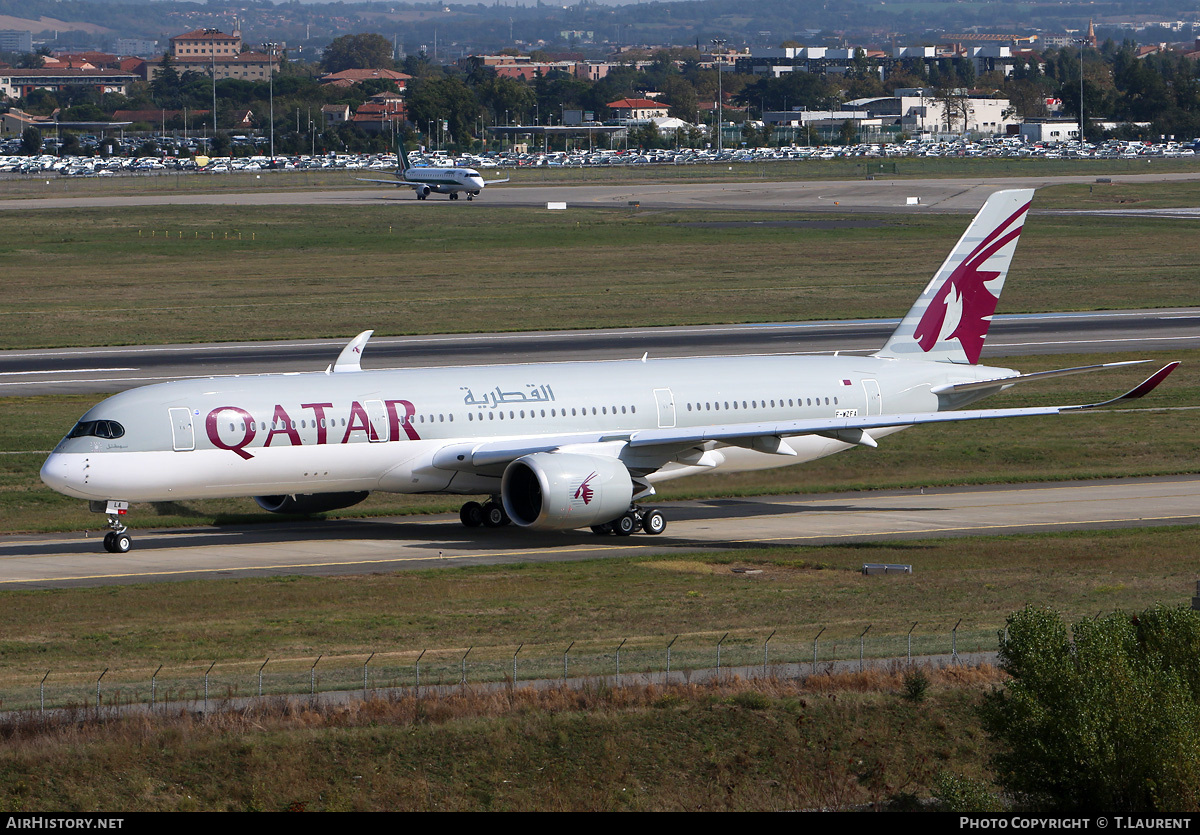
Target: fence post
[(954, 643), (668, 678), (623, 640), (463, 680), (42, 691), (206, 672), (862, 642), (365, 663), (818, 635), (312, 676), (154, 685), (260, 671), (565, 652), (419, 657), (769, 637), (98, 690), (515, 664), (723, 637), (910, 631)]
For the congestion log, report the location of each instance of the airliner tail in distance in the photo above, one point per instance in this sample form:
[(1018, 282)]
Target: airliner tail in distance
[(554, 446)]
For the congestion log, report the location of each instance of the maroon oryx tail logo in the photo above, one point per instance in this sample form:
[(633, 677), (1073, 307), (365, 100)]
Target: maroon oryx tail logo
[(962, 309), (584, 491)]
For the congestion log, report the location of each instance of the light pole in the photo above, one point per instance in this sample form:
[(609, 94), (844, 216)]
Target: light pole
[(1082, 42), (271, 90), (719, 43)]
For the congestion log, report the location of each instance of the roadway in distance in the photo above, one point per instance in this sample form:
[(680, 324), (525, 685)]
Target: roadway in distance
[(720, 525), (46, 371)]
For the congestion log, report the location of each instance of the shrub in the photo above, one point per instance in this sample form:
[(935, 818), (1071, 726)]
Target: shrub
[(1109, 721)]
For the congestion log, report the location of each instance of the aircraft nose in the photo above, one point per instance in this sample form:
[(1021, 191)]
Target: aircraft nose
[(67, 473)]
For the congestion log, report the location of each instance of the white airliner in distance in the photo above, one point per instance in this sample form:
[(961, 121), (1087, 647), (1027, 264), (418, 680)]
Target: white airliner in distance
[(449, 181), (557, 446)]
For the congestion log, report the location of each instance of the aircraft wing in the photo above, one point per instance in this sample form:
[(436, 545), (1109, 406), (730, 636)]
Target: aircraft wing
[(409, 183), (496, 182), (765, 437)]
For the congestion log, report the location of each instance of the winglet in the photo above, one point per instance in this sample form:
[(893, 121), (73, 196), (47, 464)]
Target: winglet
[(351, 355), (1141, 390)]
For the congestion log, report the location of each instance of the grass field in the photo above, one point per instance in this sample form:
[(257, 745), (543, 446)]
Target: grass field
[(188, 274), (645, 601), (839, 743)]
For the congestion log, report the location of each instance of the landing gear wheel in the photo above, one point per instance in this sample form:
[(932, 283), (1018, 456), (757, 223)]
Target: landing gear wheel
[(117, 543), (625, 525), (602, 530), (470, 197), (471, 514), (494, 515), (654, 522), (453, 195)]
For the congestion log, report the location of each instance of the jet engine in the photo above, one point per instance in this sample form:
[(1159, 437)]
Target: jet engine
[(561, 491), (303, 504), (422, 192)]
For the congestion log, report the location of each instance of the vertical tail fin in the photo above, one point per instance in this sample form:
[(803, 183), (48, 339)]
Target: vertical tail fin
[(401, 160), (950, 319)]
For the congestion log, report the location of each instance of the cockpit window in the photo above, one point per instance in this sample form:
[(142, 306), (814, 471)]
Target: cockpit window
[(97, 429)]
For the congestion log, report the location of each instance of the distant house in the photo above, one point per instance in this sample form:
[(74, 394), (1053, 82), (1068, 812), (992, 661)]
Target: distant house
[(379, 117), (637, 110), (335, 114), (348, 78)]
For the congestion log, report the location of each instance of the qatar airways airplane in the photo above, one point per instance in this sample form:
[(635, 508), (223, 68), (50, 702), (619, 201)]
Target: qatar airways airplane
[(555, 445), (448, 181)]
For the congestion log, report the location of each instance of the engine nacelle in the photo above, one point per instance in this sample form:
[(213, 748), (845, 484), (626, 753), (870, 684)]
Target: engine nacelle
[(561, 491), (306, 503), (423, 191)]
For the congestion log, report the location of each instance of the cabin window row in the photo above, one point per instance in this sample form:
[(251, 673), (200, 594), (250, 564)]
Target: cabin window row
[(733, 405), (533, 413)]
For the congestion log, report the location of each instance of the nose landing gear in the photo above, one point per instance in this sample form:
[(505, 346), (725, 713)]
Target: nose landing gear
[(117, 540)]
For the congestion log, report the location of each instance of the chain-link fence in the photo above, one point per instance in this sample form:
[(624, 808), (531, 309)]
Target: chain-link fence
[(631, 660)]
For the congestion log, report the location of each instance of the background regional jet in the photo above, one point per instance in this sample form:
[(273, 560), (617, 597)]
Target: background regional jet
[(555, 446), (449, 181)]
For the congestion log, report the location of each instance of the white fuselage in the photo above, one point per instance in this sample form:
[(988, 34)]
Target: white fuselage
[(397, 430), (446, 180)]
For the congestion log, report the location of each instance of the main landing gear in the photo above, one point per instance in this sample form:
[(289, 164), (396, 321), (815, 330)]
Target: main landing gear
[(651, 521), (490, 514)]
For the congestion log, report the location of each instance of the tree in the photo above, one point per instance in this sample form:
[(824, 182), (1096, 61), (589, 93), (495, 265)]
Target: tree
[(31, 141), (358, 52), (1110, 720)]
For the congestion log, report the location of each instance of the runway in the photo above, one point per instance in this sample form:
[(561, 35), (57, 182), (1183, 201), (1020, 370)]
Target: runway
[(726, 525), (958, 195), (114, 369)]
